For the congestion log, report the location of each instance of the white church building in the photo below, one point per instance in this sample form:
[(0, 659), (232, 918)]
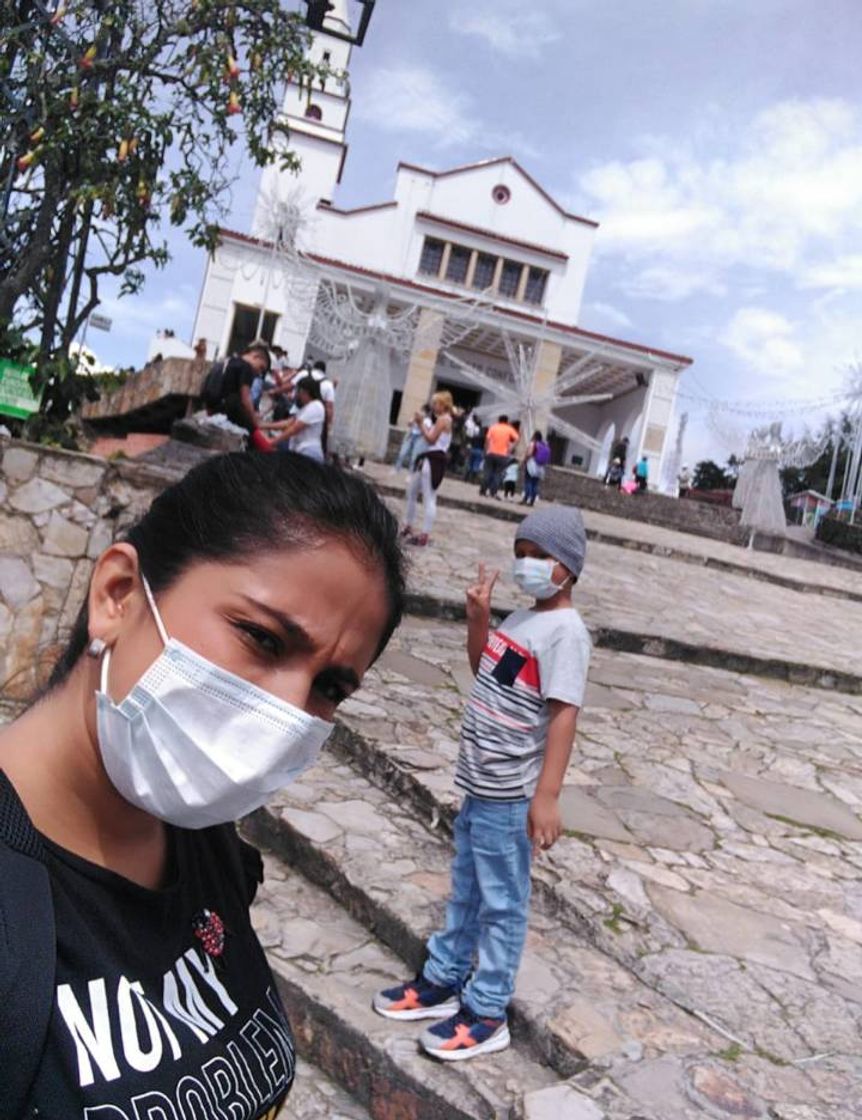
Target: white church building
[(482, 248)]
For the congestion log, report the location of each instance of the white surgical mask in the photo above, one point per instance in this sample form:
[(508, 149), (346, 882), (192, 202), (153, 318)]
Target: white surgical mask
[(535, 577), (196, 745)]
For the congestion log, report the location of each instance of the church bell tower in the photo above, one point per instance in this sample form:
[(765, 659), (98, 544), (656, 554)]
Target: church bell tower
[(316, 120)]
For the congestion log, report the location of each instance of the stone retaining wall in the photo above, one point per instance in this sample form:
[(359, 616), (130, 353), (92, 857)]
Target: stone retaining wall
[(718, 522), (58, 512), (181, 377)]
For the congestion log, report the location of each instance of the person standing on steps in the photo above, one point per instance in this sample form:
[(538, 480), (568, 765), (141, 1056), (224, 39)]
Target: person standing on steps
[(203, 672), (516, 740), (500, 441), (429, 467), (620, 451), (641, 471), (510, 478), (537, 458)]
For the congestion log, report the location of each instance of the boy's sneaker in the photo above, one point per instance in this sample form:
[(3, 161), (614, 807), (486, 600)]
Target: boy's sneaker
[(417, 999), (465, 1035)]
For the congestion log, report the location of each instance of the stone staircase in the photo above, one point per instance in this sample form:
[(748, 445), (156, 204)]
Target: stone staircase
[(659, 981), (357, 875)]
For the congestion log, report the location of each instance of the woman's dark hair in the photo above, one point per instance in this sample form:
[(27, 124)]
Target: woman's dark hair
[(238, 505), (537, 437), (309, 385)]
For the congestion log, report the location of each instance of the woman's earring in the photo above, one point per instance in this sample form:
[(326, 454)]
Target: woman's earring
[(96, 647)]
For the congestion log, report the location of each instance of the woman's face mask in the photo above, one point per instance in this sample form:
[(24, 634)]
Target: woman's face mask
[(196, 745)]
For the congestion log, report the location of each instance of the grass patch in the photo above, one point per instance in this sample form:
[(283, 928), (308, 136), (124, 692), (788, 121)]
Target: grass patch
[(732, 1054), (613, 922), (768, 1056)]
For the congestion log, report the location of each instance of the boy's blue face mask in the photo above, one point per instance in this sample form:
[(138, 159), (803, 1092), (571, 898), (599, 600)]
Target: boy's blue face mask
[(536, 577)]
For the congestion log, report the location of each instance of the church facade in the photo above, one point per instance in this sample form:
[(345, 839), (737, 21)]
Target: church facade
[(494, 264)]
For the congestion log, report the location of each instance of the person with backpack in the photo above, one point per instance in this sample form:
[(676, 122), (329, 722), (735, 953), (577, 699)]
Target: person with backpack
[(228, 386), (216, 641), (537, 458)]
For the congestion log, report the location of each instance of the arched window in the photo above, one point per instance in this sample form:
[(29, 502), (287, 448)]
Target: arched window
[(314, 113)]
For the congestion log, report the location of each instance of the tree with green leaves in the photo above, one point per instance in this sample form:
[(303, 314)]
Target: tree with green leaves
[(710, 476), (114, 116)]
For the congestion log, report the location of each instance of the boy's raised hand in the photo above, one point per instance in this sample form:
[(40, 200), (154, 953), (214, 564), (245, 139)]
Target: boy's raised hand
[(479, 595)]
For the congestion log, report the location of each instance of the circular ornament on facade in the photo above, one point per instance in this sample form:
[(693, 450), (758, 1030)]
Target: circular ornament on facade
[(501, 194)]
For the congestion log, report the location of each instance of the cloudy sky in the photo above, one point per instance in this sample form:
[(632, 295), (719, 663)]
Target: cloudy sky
[(717, 142)]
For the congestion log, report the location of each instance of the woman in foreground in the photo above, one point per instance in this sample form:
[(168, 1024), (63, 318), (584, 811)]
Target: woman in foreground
[(215, 644)]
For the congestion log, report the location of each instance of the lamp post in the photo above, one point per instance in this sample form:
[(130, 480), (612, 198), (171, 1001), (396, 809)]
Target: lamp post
[(318, 10)]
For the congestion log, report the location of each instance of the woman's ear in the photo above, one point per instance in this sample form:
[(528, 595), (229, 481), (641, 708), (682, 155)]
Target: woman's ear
[(115, 581)]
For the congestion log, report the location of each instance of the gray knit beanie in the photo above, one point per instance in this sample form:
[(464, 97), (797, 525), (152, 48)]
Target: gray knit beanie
[(559, 531)]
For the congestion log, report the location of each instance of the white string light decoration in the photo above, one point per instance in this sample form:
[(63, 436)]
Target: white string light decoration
[(514, 390)]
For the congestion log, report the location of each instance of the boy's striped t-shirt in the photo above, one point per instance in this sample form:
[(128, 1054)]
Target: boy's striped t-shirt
[(534, 657)]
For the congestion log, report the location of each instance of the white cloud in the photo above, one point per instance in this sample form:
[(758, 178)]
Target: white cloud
[(777, 198), (604, 313), (509, 29), (415, 99), (671, 283), (765, 341), (842, 273)]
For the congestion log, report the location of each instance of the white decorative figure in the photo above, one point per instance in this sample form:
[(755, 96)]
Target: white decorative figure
[(519, 396)]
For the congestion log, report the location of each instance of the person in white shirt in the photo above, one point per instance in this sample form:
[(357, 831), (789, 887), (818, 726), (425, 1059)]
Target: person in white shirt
[(429, 466), (303, 432)]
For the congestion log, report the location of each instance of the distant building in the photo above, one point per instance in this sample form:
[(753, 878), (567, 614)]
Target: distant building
[(485, 229), (809, 506)]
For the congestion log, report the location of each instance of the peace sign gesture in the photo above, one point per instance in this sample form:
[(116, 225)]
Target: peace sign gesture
[(479, 595)]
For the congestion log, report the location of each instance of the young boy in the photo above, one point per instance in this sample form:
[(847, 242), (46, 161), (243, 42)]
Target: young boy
[(510, 479), (516, 739)]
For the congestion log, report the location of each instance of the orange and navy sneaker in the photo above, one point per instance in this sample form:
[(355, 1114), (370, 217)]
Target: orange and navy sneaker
[(465, 1035), (417, 999)]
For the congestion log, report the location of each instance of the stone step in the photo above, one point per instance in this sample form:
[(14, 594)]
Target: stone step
[(328, 966), (377, 857), (315, 1096), (423, 604), (671, 608), (713, 843)]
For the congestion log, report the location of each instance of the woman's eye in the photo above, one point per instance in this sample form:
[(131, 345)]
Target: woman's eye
[(263, 639)]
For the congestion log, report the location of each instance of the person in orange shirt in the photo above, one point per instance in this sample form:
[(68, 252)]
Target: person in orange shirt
[(499, 443)]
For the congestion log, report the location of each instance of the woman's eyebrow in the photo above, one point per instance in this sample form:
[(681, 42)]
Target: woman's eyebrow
[(341, 673), (287, 624)]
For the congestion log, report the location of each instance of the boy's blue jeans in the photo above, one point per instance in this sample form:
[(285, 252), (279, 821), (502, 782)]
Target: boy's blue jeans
[(486, 916)]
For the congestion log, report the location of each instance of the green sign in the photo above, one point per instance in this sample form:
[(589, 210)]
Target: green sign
[(16, 396)]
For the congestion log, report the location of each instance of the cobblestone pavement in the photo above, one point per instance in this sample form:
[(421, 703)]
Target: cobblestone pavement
[(650, 594), (713, 847), (807, 574)]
